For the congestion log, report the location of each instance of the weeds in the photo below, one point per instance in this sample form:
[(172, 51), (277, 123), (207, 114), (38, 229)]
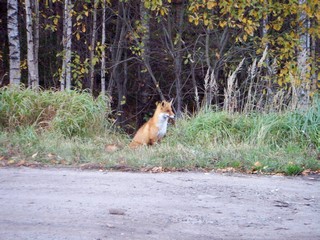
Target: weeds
[(69, 112), (72, 129)]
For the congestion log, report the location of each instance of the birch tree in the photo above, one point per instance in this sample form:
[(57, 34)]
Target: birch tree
[(65, 78), (14, 43), (33, 81), (103, 52), (303, 57)]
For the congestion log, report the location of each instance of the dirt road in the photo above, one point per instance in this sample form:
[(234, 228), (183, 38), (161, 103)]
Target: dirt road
[(74, 204)]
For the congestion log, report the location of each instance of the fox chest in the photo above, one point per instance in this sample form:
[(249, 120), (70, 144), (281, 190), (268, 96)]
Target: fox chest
[(162, 126)]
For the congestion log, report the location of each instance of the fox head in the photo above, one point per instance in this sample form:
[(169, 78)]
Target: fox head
[(165, 109)]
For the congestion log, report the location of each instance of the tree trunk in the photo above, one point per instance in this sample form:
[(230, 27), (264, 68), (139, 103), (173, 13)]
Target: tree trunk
[(147, 73), (194, 83), (116, 55), (303, 90), (92, 46), (103, 53), (14, 43), (145, 81), (314, 63), (116, 50), (33, 82), (65, 78), (178, 60), (175, 49), (36, 39)]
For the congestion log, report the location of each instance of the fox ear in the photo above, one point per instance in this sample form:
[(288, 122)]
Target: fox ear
[(171, 101), (163, 103)]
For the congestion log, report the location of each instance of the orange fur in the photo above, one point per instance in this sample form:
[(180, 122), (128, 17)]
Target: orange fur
[(155, 129)]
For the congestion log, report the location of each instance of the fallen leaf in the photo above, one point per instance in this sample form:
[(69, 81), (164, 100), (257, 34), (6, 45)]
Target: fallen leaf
[(21, 163), (156, 170), (11, 161), (258, 164), (111, 148)]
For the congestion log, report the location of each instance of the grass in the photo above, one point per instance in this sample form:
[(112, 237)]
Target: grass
[(71, 128), (70, 113)]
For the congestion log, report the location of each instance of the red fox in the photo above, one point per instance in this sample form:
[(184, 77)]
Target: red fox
[(155, 129)]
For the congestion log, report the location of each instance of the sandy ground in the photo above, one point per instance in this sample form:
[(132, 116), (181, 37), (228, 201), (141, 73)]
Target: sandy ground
[(75, 204)]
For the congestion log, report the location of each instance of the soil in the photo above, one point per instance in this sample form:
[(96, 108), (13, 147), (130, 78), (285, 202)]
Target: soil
[(69, 204)]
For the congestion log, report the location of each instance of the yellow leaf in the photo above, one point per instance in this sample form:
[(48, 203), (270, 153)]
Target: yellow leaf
[(223, 24), (78, 36), (55, 21), (196, 21), (249, 30), (11, 161), (84, 28), (277, 27), (211, 4)]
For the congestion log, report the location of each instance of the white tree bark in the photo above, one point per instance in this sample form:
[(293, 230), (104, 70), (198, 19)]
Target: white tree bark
[(14, 43), (103, 54), (33, 82), (65, 78), (303, 90)]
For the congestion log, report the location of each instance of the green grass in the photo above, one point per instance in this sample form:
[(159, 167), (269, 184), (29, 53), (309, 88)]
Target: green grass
[(71, 128), (70, 113)]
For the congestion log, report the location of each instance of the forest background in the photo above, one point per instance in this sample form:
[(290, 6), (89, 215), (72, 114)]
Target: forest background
[(239, 56)]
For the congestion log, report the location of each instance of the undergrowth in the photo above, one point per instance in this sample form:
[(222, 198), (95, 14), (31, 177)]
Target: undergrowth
[(72, 128), (70, 113)]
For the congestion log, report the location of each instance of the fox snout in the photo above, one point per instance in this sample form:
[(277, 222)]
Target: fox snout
[(167, 115)]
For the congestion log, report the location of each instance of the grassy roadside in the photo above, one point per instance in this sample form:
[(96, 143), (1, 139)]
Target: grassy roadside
[(72, 129)]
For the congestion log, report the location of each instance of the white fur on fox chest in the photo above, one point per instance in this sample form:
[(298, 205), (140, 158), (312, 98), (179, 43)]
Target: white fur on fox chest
[(162, 124)]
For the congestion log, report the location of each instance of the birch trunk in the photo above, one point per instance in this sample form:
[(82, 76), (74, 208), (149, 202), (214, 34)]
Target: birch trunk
[(65, 78), (33, 82), (103, 54), (14, 44), (303, 89)]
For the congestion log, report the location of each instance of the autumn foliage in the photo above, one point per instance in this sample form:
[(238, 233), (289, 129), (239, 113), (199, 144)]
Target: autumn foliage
[(187, 50)]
